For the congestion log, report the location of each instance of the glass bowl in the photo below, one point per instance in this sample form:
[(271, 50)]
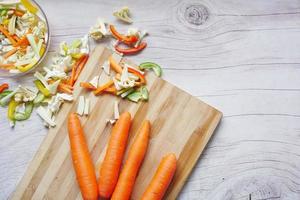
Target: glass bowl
[(41, 14)]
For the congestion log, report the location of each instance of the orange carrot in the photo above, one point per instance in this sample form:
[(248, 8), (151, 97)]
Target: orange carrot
[(17, 39), (87, 85), (18, 13), (114, 65), (110, 167), (111, 90), (65, 88), (162, 178), (100, 89), (6, 33), (82, 161), (10, 53), (132, 165), (7, 66), (81, 66), (74, 69), (22, 42)]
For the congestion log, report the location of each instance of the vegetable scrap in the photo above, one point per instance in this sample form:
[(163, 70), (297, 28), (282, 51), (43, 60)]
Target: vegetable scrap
[(23, 36), (54, 84), (83, 106), (123, 15)]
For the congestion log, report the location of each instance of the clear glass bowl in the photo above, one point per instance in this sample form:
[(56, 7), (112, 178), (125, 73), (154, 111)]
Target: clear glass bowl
[(41, 14)]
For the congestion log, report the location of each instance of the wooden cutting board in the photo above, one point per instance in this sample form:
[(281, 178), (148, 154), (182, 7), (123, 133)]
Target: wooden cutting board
[(180, 123)]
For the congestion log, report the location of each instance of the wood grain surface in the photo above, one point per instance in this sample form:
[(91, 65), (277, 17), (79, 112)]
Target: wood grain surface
[(242, 57), (180, 123)]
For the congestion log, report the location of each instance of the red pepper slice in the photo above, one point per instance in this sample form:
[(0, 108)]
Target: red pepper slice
[(3, 87), (132, 50), (129, 40)]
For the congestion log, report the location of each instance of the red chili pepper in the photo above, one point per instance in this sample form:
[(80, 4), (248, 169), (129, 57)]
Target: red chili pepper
[(132, 50), (127, 39), (3, 87)]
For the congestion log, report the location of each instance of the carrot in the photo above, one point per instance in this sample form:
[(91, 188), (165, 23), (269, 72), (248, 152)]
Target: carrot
[(114, 65), (65, 88), (100, 89), (18, 13), (132, 165), (74, 69), (111, 90), (87, 85), (162, 178), (10, 53), (6, 33), (17, 39), (7, 66), (22, 42), (82, 161), (81, 66), (110, 167)]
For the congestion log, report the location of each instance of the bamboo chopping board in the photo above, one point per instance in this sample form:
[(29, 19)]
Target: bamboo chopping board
[(180, 123)]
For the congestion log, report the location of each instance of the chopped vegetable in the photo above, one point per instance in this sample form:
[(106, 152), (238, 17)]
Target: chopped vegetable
[(82, 162), (27, 67), (26, 114), (133, 163), (114, 65), (111, 165), (11, 109), (65, 88), (81, 105), (161, 179), (127, 92), (5, 100), (39, 98), (88, 86), (129, 40), (100, 89), (42, 88), (123, 15), (116, 110), (29, 6), (150, 65), (132, 50), (99, 30), (5, 93), (3, 87), (86, 106), (46, 115), (141, 94)]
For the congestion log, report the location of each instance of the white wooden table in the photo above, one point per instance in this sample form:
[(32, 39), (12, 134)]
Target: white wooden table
[(243, 57)]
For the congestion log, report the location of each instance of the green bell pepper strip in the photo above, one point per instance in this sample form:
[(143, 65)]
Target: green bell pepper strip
[(5, 93), (135, 96), (42, 88), (26, 115), (141, 94), (11, 109), (150, 65)]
